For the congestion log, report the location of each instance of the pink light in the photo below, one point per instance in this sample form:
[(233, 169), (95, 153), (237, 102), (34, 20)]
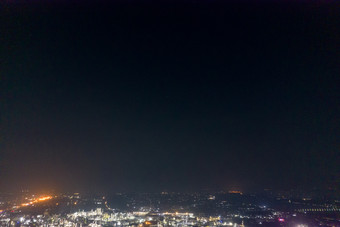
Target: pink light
[(281, 220)]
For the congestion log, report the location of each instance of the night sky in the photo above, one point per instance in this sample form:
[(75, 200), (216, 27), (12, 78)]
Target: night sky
[(183, 96)]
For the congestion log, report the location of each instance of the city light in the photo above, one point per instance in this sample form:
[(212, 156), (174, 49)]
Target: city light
[(160, 214), (40, 199)]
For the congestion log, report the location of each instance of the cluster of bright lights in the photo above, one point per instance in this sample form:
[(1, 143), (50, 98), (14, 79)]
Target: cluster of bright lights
[(41, 199)]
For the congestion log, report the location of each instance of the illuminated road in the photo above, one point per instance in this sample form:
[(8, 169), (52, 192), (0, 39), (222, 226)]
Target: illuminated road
[(36, 201)]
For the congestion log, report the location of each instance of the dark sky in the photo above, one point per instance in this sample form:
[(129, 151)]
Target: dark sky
[(143, 96)]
